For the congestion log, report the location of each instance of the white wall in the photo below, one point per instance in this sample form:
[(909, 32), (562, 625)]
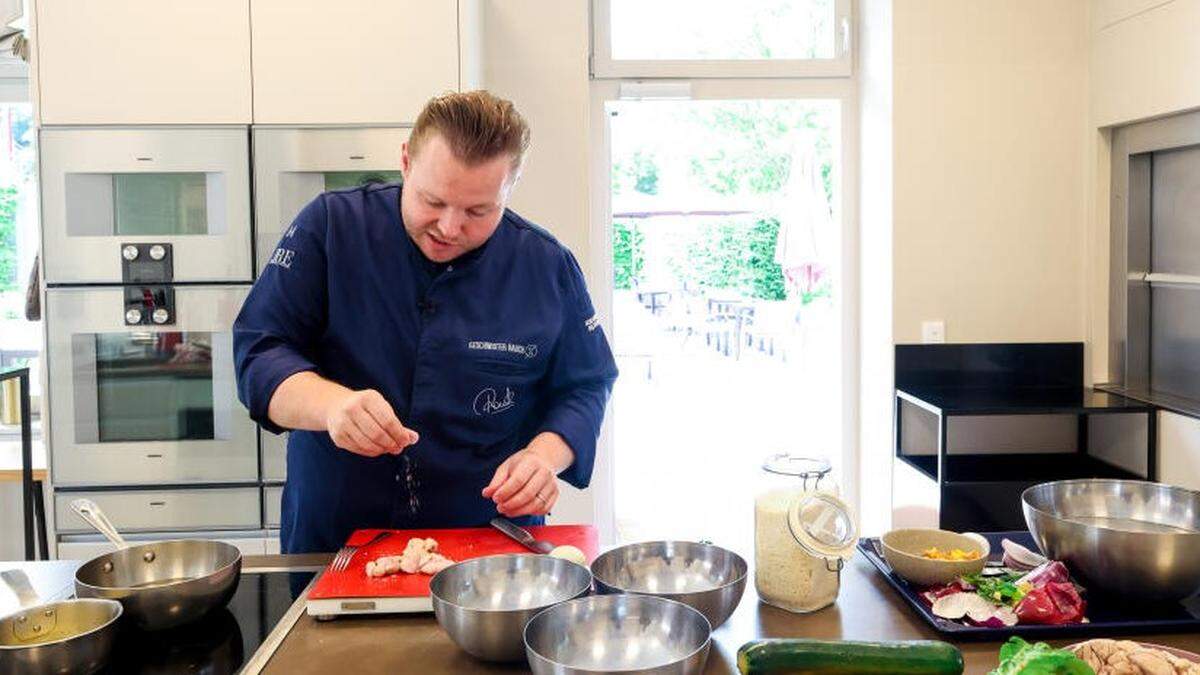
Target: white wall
[(989, 164), (536, 54), (875, 248)]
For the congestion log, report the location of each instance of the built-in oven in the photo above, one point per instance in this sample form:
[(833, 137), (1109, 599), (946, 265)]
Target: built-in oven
[(126, 205), (292, 165), (142, 386)]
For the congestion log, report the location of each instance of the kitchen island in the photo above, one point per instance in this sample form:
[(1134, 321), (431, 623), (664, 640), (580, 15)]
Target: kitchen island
[(867, 609)]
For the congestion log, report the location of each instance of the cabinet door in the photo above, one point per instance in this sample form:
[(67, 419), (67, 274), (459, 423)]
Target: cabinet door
[(165, 510), (1179, 450), (143, 61), (357, 61)]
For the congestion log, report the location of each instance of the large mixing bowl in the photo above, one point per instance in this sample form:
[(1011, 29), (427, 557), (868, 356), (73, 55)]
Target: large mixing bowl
[(618, 633), (484, 603), (1136, 540), (706, 577)]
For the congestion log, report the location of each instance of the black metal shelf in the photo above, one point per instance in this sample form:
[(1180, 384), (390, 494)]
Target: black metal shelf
[(981, 491)]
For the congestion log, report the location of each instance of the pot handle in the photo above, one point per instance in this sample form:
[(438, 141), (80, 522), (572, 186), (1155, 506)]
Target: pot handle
[(92, 515), (19, 582)]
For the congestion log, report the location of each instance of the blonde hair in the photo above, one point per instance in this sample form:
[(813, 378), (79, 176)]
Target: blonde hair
[(477, 125)]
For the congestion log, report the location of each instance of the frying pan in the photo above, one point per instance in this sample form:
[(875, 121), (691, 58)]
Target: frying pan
[(162, 584), (68, 636)]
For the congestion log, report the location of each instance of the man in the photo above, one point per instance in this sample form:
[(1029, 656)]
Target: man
[(435, 355)]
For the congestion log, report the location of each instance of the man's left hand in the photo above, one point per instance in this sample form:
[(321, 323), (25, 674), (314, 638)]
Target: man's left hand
[(526, 484)]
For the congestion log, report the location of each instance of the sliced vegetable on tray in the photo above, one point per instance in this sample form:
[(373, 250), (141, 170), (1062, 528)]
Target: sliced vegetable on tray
[(1002, 597)]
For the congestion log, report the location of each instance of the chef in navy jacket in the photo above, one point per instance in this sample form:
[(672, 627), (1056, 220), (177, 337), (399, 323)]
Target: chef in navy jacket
[(435, 356)]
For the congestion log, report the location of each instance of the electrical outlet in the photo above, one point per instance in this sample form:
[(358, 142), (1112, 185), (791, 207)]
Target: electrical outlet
[(933, 332)]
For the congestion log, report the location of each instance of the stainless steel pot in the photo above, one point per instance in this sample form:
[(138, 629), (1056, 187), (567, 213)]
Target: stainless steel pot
[(69, 636), (163, 584)]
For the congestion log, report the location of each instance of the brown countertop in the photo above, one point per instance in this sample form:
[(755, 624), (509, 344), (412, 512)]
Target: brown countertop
[(867, 609)]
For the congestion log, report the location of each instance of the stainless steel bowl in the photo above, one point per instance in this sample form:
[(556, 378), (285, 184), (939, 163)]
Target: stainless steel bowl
[(706, 577), (484, 603), (1133, 539), (618, 633)]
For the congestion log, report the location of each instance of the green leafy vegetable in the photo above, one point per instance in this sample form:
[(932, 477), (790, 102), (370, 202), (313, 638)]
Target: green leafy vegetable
[(1001, 589), (1018, 657)]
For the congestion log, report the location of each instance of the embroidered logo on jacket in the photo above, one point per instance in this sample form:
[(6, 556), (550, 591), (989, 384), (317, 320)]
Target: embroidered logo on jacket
[(282, 257), (488, 402), (592, 323), (528, 351)]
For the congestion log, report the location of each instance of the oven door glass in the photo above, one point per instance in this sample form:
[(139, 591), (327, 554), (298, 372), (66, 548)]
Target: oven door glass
[(144, 204), (150, 386)]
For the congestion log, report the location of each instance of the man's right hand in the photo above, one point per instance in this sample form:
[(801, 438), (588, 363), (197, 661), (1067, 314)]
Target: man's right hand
[(364, 423)]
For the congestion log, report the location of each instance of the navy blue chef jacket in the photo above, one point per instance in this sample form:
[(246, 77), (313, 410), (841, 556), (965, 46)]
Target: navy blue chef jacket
[(478, 356)]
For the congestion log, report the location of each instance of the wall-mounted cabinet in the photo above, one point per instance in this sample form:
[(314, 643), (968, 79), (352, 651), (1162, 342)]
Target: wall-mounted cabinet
[(359, 61), (144, 62)]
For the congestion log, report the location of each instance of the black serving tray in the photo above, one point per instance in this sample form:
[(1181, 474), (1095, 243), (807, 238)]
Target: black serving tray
[(1105, 615)]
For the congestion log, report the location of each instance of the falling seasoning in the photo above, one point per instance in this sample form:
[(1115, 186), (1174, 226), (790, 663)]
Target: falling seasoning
[(411, 483)]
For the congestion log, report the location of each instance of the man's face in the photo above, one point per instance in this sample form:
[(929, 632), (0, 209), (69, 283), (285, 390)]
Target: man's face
[(450, 208)]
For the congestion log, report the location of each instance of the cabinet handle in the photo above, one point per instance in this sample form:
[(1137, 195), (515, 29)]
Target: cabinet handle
[(158, 503), (144, 159), (358, 157)]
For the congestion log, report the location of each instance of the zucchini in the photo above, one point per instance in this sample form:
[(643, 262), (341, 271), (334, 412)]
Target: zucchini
[(827, 657)]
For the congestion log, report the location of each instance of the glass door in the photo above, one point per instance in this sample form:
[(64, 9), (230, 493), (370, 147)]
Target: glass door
[(732, 298), (142, 400), (105, 188)]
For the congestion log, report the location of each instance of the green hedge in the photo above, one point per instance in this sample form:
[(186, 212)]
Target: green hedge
[(8, 240), (628, 256)]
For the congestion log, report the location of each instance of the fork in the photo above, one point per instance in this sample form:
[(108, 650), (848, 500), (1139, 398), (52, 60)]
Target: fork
[(342, 560)]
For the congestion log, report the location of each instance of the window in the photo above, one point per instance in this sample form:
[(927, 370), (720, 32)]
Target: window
[(718, 38)]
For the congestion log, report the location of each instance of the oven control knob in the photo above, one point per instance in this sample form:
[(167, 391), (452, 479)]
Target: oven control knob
[(157, 252), (129, 252), (160, 315), (133, 316)]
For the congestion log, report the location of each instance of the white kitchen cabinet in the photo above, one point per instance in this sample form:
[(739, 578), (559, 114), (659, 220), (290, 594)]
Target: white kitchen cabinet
[(1179, 450), (143, 61), (357, 61)]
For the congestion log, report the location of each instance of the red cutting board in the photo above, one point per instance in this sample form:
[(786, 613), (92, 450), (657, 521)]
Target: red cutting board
[(456, 544)]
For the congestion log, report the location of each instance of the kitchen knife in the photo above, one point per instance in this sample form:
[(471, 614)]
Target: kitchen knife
[(521, 535)]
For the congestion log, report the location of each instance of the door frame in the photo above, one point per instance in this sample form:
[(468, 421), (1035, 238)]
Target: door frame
[(841, 90)]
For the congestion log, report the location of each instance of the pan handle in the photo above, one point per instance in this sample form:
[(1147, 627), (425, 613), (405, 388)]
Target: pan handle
[(91, 513), (19, 582)]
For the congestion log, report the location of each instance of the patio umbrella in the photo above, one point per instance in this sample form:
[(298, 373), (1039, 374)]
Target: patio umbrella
[(805, 222)]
